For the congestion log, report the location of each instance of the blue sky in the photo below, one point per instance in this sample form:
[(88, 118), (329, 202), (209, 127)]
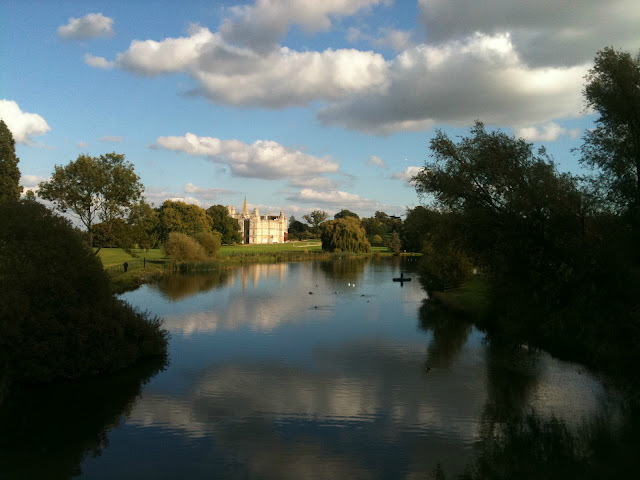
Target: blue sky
[(297, 104)]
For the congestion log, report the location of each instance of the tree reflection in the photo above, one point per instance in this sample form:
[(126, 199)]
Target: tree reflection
[(47, 431), (450, 333), (176, 287), (349, 269)]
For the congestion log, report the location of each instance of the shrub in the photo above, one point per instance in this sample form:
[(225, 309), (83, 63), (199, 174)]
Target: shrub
[(184, 248), (376, 240), (58, 317), (210, 241)]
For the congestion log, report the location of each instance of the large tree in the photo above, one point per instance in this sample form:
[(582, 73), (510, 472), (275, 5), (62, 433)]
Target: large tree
[(314, 219), (345, 235), (345, 213), (9, 173), (613, 147), (91, 188), (226, 226), (181, 217)]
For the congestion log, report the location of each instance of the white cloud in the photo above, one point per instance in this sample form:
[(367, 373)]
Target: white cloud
[(98, 62), (262, 159), (82, 144), (375, 161), (241, 76), (335, 200), (261, 25), (92, 25), (22, 124), (549, 132), (407, 175), (545, 33), (157, 195), (111, 138), (206, 193), (399, 40), (480, 77), (323, 183)]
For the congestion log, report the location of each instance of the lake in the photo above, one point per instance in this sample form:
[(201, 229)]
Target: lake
[(323, 369)]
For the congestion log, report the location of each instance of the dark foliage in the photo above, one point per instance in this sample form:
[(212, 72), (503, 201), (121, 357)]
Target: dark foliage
[(58, 317), (10, 188)]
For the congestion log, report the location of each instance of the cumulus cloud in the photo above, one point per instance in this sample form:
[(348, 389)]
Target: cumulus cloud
[(98, 62), (241, 76), (22, 124), (92, 25), (375, 161), (155, 195), (262, 159), (323, 183), (545, 33), (407, 174), (261, 25), (82, 144), (458, 82), (31, 182), (111, 138), (334, 199), (549, 132), (206, 193)]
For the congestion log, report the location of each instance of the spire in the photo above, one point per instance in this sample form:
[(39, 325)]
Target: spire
[(244, 207)]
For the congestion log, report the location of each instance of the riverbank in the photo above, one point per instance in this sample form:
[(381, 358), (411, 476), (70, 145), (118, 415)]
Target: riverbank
[(147, 265)]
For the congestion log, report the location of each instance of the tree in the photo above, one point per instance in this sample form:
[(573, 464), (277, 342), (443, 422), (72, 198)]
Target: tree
[(58, 316), (613, 90), (227, 226), (181, 217), (314, 219), (506, 208), (345, 213), (297, 230), (344, 235), (9, 173), (395, 244), (104, 188), (143, 220)]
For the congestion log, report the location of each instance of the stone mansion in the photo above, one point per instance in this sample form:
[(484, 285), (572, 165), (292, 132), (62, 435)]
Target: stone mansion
[(256, 228)]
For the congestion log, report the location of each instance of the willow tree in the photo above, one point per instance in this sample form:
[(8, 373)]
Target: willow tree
[(9, 173), (346, 235)]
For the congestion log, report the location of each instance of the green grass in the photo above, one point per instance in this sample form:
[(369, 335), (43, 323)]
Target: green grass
[(147, 264), (470, 299), (297, 247)]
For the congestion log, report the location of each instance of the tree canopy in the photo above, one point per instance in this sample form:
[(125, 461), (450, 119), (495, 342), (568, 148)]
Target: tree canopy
[(181, 217), (345, 235), (613, 147), (314, 219), (90, 188), (226, 226), (345, 213), (9, 172), (58, 316)]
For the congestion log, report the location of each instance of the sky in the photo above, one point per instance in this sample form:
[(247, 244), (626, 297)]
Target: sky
[(298, 105)]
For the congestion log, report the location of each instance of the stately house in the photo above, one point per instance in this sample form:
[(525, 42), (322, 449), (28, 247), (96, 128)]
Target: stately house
[(256, 228)]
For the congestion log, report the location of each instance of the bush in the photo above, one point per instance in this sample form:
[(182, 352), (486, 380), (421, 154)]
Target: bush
[(211, 242), (184, 248), (376, 240), (58, 317)]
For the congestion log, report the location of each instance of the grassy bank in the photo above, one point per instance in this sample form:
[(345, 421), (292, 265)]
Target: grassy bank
[(470, 299), (144, 265)]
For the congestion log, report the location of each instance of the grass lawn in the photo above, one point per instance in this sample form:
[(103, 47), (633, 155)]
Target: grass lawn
[(297, 247), (469, 299), (117, 256)]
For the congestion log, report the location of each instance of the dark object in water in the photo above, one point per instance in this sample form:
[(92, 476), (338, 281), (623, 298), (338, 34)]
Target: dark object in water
[(402, 278)]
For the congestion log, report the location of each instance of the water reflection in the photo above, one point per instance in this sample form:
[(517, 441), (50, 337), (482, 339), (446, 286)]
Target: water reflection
[(177, 287), (47, 431), (270, 381)]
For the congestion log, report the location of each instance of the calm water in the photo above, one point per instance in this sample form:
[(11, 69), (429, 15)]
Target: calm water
[(299, 370)]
